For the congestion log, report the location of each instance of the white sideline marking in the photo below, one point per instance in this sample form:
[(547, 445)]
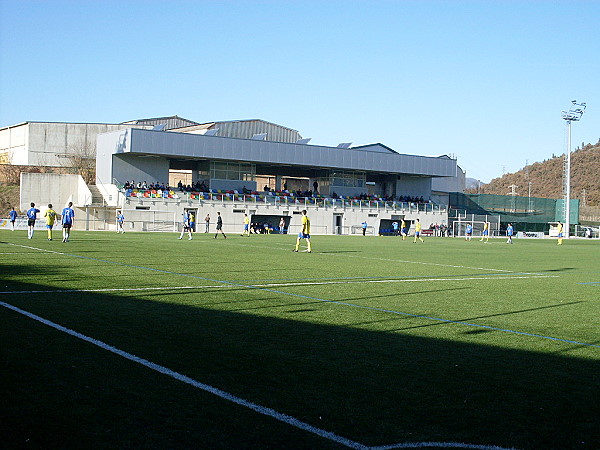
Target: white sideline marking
[(205, 387), (240, 401), (305, 283)]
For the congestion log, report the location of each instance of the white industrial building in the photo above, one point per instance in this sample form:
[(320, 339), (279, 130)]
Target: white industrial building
[(228, 158)]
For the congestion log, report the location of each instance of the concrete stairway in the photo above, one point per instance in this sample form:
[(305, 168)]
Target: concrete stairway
[(97, 197)]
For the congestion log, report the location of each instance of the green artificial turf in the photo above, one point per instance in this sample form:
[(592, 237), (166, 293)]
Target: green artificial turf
[(377, 340)]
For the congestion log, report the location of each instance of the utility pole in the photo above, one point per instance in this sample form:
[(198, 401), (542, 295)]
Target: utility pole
[(572, 115)]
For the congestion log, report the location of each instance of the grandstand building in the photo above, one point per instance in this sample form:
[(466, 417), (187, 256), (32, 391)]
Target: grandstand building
[(247, 166)]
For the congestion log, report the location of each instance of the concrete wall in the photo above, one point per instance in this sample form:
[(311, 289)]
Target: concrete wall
[(127, 167), (58, 189), (323, 219), (413, 186), (50, 143), (13, 144), (450, 184)]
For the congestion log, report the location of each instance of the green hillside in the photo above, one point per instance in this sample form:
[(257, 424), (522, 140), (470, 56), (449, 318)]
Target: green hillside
[(547, 178)]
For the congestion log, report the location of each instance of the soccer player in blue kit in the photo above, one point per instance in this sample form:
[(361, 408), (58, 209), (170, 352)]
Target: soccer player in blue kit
[(67, 221)]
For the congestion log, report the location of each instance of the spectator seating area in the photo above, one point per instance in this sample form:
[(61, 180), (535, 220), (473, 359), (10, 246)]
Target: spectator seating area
[(149, 193), (279, 197)]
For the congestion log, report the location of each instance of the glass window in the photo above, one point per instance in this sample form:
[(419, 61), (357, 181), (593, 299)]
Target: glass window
[(232, 171)]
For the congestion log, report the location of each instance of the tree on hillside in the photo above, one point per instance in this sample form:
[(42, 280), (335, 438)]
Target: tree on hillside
[(546, 177)]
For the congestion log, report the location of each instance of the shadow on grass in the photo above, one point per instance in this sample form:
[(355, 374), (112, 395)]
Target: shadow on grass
[(373, 387)]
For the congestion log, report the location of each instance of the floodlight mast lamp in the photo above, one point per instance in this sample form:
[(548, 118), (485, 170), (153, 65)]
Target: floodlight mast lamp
[(572, 115)]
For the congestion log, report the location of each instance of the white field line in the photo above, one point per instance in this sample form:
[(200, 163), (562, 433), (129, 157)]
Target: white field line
[(269, 412), (395, 260), (268, 285), (337, 255), (353, 305), (185, 379)]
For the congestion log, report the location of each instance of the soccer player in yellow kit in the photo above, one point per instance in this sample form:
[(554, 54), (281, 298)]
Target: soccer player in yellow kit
[(246, 225), (418, 232), (50, 216), (304, 233), (403, 229), (486, 232), (560, 233)]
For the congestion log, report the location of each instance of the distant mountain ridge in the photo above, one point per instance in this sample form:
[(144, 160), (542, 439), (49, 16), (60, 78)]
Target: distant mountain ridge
[(547, 178)]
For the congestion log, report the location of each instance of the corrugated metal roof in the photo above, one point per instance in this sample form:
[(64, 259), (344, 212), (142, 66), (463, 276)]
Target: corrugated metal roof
[(245, 129), (171, 122)]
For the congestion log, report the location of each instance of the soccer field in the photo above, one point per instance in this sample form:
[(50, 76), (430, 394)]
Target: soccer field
[(145, 341)]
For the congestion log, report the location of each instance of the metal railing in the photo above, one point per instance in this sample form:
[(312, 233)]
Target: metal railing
[(276, 200)]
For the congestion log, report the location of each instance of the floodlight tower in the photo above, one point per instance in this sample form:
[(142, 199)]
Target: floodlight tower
[(572, 115)]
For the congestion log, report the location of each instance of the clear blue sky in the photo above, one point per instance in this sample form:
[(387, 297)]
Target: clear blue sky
[(484, 81)]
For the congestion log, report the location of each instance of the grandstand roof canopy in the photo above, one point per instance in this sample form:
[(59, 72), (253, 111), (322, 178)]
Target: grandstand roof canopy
[(171, 145)]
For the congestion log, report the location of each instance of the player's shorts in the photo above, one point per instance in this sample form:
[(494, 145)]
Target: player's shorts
[(485, 232), (219, 227), (49, 226), (417, 233), (560, 235), (30, 222), (12, 221), (303, 236), (246, 226), (404, 231), (186, 228), (67, 226)]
